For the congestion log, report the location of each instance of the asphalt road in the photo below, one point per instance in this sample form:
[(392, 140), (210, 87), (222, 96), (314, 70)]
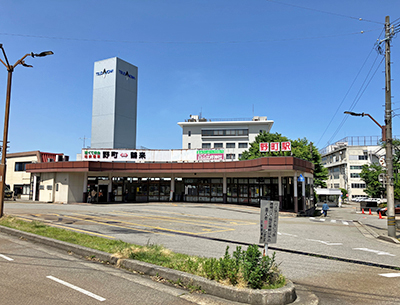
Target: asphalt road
[(206, 230), (32, 274)]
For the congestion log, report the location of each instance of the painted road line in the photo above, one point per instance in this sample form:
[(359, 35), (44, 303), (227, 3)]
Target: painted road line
[(69, 228), (333, 220), (390, 274), (152, 227), (325, 242), (345, 222), (212, 220), (6, 257), (287, 234), (374, 251), (99, 298)]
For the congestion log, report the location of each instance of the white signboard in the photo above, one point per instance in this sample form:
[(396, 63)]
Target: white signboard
[(150, 155), (269, 215)]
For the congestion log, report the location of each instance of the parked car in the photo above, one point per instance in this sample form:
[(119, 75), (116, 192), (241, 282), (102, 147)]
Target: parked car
[(7, 192), (384, 210)]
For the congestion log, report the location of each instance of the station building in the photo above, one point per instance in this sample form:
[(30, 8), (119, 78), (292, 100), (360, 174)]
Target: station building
[(145, 176)]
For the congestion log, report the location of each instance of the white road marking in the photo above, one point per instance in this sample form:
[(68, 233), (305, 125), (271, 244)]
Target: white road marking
[(323, 219), (374, 251), (287, 234), (345, 222), (333, 220), (6, 257), (390, 274), (325, 242), (99, 298)]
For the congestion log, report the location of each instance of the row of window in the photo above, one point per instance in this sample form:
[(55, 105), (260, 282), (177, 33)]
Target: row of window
[(355, 166), (221, 145), (358, 157), (358, 186), (20, 166), (224, 132)]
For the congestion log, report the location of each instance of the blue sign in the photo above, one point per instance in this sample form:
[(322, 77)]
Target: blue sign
[(126, 74), (301, 178), (104, 72)]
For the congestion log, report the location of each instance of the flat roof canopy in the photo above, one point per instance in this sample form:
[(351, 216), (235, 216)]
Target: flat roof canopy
[(284, 166)]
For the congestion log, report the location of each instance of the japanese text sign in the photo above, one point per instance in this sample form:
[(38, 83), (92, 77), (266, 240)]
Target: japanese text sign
[(269, 215), (286, 146), (264, 147), (275, 146)]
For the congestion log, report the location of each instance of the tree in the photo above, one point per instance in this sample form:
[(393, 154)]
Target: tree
[(301, 149), (369, 174)]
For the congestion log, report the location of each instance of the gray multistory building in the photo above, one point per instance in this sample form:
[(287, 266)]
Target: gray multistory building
[(114, 104)]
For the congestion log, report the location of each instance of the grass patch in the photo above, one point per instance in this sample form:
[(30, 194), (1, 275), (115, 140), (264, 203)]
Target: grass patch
[(244, 269)]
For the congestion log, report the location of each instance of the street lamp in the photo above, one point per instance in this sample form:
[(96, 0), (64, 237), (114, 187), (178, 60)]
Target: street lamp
[(10, 69), (386, 130), (368, 115)]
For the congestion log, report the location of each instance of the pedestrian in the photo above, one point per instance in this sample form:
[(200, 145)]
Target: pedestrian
[(93, 195), (325, 208)]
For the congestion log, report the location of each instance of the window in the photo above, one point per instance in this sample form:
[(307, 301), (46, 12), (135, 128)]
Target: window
[(230, 145), (189, 133), (239, 156), (336, 185), (358, 185), (354, 175), (189, 145), (230, 156), (206, 145), (355, 166), (20, 166), (224, 132), (218, 145), (242, 145), (363, 157)]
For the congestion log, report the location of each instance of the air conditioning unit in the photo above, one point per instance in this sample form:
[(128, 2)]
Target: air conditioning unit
[(66, 158), (59, 158), (50, 160)]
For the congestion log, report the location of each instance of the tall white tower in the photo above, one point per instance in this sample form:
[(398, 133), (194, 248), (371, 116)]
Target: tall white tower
[(114, 104)]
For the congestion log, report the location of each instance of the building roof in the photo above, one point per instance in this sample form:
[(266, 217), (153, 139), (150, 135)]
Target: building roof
[(260, 165), (196, 120), (41, 156)]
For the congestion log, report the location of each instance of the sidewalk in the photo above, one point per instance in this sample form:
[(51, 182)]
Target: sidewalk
[(371, 223)]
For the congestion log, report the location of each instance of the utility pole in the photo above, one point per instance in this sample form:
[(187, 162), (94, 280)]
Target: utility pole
[(391, 220)]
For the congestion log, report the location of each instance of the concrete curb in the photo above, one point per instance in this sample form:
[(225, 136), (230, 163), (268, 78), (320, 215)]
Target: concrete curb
[(284, 295), (365, 229)]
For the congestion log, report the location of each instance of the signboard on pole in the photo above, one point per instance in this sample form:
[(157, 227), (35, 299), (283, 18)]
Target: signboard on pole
[(269, 221)]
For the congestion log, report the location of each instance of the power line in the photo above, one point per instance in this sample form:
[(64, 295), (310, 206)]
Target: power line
[(348, 91), (185, 42), (324, 12), (345, 96), (355, 102)]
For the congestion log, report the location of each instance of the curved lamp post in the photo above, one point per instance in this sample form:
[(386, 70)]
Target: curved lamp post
[(366, 114), (10, 69), (389, 185)]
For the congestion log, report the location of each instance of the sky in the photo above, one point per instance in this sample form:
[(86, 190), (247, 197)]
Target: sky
[(301, 63)]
